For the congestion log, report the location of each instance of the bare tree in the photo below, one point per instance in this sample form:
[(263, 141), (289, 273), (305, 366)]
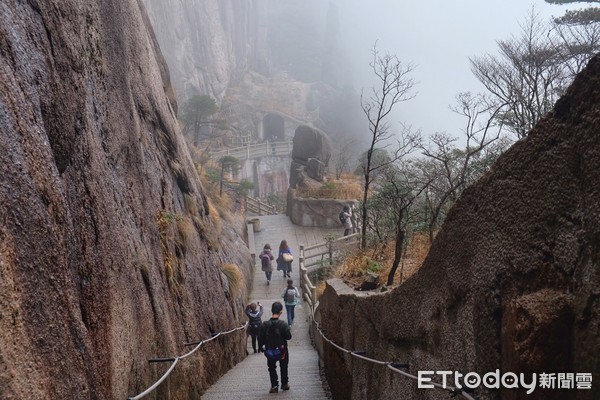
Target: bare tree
[(576, 39), (450, 168), (390, 206), (394, 86), (344, 152), (534, 68)]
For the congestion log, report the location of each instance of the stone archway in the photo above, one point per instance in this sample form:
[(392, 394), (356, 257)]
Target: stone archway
[(273, 127)]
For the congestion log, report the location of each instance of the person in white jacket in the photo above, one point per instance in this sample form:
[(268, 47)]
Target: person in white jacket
[(348, 227)]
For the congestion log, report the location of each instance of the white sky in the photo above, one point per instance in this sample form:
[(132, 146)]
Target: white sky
[(437, 36)]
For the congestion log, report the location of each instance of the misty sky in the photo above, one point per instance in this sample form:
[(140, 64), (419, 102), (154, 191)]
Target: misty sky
[(437, 36)]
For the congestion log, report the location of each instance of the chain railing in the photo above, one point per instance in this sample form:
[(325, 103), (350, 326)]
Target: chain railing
[(176, 359), (392, 365), (309, 293)]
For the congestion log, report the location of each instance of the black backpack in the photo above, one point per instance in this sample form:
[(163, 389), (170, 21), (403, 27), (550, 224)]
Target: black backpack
[(273, 337), (342, 217)]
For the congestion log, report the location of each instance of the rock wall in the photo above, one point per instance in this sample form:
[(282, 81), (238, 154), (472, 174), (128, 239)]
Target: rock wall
[(110, 252), (511, 281), (209, 43)]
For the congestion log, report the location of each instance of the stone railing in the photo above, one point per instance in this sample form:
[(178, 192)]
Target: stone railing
[(256, 150)]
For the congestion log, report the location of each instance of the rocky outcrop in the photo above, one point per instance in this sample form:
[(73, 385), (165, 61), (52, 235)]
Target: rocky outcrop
[(310, 156), (511, 281), (110, 252)]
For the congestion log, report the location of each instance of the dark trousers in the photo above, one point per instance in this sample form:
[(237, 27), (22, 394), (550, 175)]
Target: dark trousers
[(253, 332), (254, 340), (268, 274), (283, 366), (286, 267)]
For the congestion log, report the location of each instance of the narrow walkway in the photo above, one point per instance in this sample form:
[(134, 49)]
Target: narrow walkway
[(250, 378)]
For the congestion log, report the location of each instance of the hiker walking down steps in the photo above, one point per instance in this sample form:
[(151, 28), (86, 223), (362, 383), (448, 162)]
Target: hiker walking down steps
[(291, 297), (266, 264), (254, 315), (272, 340), (285, 258)]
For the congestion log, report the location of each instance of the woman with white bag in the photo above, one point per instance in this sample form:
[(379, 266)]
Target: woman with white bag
[(285, 258)]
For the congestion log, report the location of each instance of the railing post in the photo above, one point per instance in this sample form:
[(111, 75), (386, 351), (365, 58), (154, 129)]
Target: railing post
[(248, 151), (302, 269), (330, 248)]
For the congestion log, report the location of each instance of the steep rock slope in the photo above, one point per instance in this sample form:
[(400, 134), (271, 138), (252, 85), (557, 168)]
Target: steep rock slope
[(511, 281), (110, 253)]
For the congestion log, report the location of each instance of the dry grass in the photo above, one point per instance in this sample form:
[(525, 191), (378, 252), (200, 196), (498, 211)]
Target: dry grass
[(235, 278), (190, 203), (166, 221), (186, 233), (321, 289), (351, 182), (349, 187), (379, 260), (224, 203)]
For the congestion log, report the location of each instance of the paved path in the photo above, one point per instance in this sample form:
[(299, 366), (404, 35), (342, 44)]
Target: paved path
[(250, 378)]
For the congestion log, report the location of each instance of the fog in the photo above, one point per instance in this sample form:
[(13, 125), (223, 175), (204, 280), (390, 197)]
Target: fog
[(436, 36)]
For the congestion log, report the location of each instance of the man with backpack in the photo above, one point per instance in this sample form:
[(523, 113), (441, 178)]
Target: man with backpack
[(272, 340), (291, 297)]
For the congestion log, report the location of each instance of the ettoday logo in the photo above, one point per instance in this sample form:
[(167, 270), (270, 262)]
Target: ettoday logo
[(509, 380)]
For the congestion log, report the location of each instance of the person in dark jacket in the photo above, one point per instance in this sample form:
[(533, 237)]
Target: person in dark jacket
[(254, 315), (266, 258), (272, 340)]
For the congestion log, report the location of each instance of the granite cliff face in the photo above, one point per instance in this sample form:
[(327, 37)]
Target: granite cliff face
[(110, 252), (511, 281), (209, 43)]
